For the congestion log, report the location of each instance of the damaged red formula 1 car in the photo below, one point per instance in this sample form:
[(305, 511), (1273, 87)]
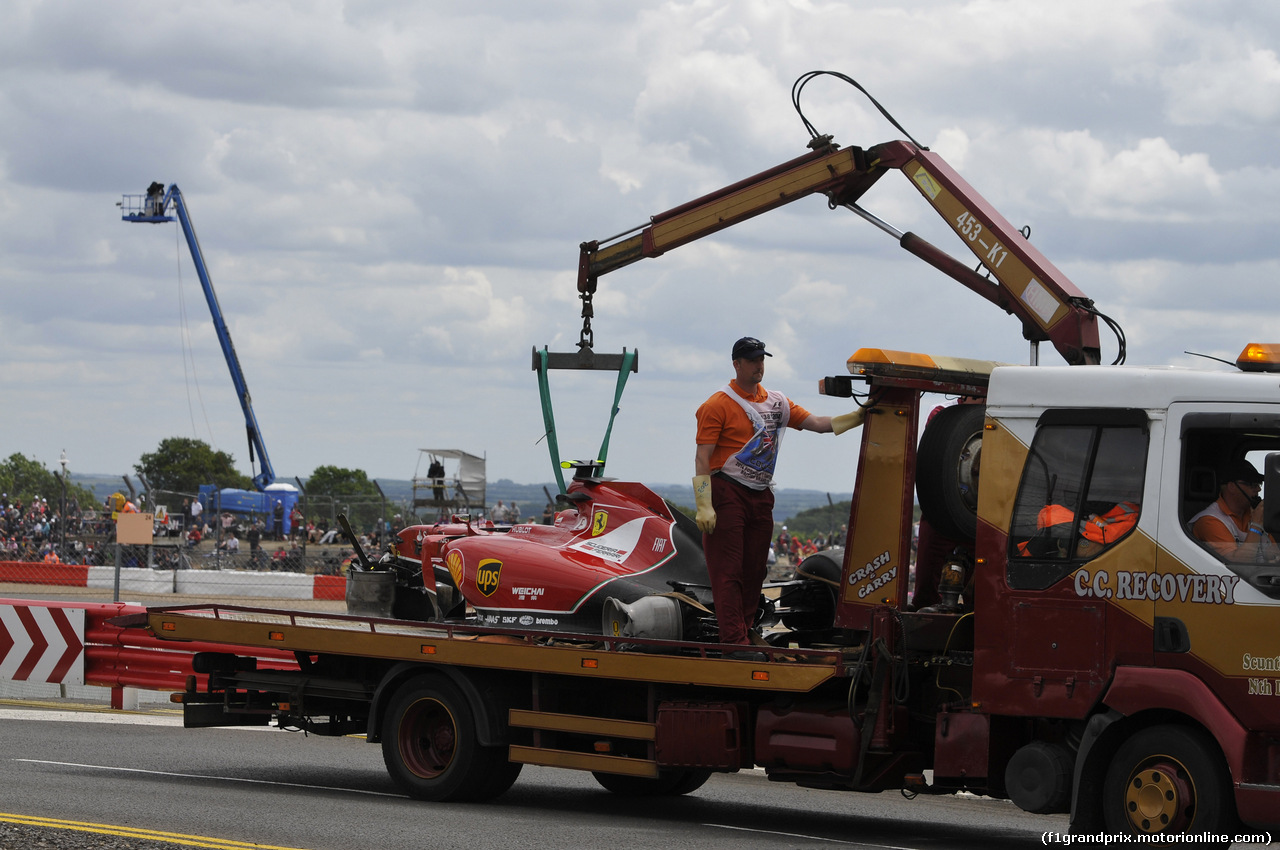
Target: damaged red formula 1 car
[(619, 560)]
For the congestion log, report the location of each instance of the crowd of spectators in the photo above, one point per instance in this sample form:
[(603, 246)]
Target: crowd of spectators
[(505, 514), (34, 531), (795, 548), (253, 542)]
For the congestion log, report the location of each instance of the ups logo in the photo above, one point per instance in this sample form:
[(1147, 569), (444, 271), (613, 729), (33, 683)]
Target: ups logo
[(488, 574)]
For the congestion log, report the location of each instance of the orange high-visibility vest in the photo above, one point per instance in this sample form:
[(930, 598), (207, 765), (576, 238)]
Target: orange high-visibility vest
[(1109, 527)]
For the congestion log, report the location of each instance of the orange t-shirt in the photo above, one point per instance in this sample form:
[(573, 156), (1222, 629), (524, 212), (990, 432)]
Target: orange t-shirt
[(1210, 530), (723, 423)]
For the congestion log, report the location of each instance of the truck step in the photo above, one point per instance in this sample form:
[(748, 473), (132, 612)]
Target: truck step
[(551, 722), (584, 761)]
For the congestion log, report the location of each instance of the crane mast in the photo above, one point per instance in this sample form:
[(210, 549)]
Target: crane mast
[(154, 208)]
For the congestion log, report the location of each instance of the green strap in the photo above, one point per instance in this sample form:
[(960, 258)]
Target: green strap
[(628, 357), (549, 419)]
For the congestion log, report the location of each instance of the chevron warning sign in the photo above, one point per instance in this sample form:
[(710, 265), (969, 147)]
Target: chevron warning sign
[(39, 644)]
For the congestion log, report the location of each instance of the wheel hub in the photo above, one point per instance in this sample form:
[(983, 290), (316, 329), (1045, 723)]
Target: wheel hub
[(428, 738), (967, 471), (1160, 797)]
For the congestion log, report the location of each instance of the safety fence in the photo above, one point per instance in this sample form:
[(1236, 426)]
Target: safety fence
[(76, 644), (173, 553)]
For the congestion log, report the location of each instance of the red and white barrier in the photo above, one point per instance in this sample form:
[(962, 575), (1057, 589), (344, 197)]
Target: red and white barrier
[(74, 643), (42, 644), (246, 583)]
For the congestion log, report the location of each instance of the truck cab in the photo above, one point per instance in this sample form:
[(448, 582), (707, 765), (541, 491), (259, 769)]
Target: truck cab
[(1122, 668)]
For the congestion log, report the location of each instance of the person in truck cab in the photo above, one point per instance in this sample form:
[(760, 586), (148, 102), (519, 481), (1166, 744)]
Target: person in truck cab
[(1232, 526), (740, 428)]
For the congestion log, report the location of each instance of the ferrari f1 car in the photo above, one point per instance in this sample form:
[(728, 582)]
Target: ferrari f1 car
[(618, 560)]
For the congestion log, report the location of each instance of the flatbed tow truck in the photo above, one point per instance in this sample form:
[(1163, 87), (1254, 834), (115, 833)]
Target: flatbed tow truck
[(1133, 681), (1133, 684)]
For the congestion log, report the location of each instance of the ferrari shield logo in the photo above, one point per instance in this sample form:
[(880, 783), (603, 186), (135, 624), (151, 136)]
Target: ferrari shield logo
[(599, 523), (488, 574)]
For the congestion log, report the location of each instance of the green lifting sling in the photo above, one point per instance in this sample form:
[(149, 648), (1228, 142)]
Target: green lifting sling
[(544, 361)]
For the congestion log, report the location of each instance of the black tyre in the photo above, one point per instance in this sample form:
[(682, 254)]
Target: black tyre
[(431, 750), (947, 465), (827, 564), (671, 782), (815, 601), (500, 779), (1168, 779)]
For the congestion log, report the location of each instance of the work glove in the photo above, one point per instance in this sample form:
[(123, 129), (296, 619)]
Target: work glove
[(706, 517), (847, 421)]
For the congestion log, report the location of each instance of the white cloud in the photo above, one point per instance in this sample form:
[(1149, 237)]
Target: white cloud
[(1239, 85), (1148, 181), (391, 195)]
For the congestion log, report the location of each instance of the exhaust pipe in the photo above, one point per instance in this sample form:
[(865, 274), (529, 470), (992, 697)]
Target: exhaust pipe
[(654, 617)]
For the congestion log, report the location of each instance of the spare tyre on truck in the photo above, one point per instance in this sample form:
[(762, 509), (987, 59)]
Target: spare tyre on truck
[(948, 462)]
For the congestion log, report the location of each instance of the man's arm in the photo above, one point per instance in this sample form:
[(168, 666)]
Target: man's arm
[(833, 424), (817, 424), (702, 460), (1211, 531)]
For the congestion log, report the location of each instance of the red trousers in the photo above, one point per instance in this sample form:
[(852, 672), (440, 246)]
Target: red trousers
[(737, 554)]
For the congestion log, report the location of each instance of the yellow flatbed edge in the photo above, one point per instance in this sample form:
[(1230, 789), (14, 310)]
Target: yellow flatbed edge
[(430, 643)]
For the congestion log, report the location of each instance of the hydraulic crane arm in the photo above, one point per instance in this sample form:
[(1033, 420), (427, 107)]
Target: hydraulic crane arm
[(154, 208), (1025, 283)]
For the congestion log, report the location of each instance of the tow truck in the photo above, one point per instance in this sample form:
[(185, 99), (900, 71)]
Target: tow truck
[(1132, 683)]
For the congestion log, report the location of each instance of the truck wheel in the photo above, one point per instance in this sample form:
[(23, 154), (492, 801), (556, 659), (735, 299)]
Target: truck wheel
[(1168, 779), (671, 782), (947, 470), (500, 779), (431, 750)]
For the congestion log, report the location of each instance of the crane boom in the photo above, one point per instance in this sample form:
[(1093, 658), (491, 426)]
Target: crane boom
[(154, 208), (1021, 280)]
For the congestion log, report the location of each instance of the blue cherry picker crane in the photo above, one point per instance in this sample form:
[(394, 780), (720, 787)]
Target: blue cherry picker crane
[(158, 206)]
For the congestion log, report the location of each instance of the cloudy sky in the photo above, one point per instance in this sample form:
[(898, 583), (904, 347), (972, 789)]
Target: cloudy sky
[(390, 196)]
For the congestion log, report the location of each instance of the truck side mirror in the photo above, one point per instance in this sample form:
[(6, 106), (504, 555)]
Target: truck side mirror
[(1271, 506)]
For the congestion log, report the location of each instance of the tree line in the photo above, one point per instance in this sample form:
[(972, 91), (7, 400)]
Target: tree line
[(22, 479), (177, 469), (180, 465)]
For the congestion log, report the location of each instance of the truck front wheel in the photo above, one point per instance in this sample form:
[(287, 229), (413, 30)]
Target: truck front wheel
[(1168, 779), (431, 749)]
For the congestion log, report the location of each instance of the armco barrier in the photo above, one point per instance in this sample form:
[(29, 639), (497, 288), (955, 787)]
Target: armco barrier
[(64, 575), (134, 580), (74, 643)]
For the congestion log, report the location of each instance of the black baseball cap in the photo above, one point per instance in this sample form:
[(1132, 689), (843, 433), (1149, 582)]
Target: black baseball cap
[(1242, 470), (749, 348)]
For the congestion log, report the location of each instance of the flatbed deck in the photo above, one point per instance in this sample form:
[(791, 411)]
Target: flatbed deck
[(463, 645)]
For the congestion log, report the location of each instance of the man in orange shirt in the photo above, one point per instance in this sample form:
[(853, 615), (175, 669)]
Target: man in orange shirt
[(740, 428), (1232, 526)]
